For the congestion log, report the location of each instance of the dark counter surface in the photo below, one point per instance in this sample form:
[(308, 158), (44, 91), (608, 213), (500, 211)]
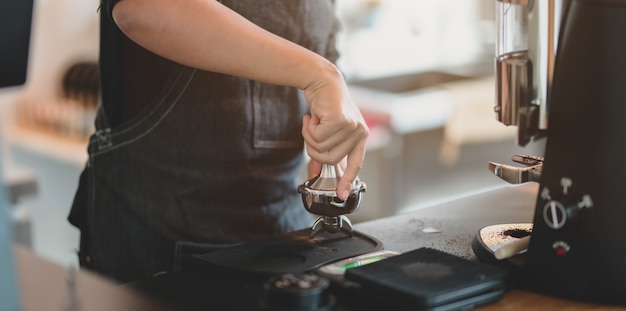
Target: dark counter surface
[(448, 226)]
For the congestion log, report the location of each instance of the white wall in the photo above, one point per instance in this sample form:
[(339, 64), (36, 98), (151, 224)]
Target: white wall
[(63, 32), (384, 37)]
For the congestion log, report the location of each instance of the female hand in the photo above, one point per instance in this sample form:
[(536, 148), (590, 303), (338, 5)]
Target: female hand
[(335, 129)]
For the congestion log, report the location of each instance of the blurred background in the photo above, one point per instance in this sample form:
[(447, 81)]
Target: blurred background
[(422, 72)]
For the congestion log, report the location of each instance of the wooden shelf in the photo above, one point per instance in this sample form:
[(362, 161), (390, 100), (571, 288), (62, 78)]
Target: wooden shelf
[(73, 150)]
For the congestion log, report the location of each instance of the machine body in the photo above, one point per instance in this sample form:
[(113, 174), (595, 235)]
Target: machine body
[(578, 243)]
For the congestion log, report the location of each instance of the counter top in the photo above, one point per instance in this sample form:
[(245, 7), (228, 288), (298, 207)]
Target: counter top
[(44, 285), (449, 226)]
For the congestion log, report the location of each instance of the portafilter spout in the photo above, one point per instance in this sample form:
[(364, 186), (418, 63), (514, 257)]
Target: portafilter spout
[(319, 196)]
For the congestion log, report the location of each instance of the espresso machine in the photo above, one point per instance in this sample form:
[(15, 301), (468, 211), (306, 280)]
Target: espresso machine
[(561, 75)]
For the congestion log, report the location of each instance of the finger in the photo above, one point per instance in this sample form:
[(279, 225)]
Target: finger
[(333, 155), (310, 124), (329, 151), (314, 168), (320, 132), (354, 166), (338, 143), (329, 156)]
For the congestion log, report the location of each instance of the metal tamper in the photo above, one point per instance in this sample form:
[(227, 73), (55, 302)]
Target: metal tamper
[(319, 195)]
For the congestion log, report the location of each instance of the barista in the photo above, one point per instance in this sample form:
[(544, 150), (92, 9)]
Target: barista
[(205, 109)]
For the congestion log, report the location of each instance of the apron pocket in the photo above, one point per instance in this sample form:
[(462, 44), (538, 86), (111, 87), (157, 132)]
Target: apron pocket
[(278, 125)]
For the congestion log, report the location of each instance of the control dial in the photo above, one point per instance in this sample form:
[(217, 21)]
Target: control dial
[(563, 207)]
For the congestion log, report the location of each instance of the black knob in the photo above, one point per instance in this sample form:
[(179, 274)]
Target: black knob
[(297, 291)]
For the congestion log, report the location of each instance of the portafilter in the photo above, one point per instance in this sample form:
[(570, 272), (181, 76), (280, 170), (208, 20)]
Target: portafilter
[(319, 196)]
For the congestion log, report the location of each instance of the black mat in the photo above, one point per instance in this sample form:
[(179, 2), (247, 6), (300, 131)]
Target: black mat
[(293, 252)]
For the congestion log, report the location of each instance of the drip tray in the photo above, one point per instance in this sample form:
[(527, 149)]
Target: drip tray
[(294, 252)]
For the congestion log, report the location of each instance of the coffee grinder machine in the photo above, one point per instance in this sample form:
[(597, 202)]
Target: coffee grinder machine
[(561, 74)]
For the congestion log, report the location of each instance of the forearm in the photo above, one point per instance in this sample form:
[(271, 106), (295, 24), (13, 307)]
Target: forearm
[(207, 35)]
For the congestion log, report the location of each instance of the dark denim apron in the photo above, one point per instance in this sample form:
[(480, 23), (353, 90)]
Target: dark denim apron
[(213, 161)]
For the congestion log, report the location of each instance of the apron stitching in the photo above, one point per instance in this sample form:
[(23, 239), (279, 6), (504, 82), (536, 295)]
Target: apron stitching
[(161, 102), (103, 138), (148, 130)]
